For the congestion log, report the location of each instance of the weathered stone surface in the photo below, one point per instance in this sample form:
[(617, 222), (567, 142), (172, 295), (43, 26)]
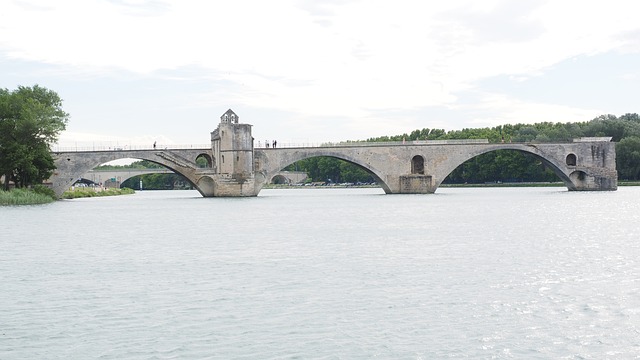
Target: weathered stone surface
[(391, 165), (237, 169)]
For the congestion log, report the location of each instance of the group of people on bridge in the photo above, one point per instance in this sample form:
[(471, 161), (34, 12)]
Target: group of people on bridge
[(266, 144)]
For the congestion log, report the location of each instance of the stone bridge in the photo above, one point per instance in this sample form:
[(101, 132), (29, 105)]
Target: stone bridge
[(399, 168), (420, 167), (236, 168)]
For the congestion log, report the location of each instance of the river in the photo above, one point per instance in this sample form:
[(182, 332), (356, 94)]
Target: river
[(324, 273)]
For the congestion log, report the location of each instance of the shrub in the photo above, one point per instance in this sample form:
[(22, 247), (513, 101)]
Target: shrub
[(43, 190), (90, 192)]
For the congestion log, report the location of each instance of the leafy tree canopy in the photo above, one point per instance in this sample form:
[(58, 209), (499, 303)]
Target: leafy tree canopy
[(31, 118)]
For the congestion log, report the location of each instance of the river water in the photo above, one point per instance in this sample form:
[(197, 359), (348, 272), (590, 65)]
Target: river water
[(324, 273)]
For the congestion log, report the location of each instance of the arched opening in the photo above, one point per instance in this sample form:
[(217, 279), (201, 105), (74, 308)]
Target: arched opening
[(204, 161), (157, 181), (329, 170), (82, 182), (280, 180), (578, 176), (138, 175), (503, 166), (417, 165), (571, 160)]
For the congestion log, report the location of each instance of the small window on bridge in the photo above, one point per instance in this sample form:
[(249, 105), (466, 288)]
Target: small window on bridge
[(571, 160), (417, 165)]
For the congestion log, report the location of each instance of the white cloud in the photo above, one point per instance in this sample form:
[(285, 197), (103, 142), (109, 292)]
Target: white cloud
[(514, 111), (350, 59)]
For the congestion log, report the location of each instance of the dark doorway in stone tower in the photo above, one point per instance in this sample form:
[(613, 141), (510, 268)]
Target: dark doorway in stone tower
[(417, 165)]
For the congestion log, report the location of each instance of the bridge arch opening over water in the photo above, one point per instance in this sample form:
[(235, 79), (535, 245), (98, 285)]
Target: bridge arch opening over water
[(507, 166), (146, 174), (517, 164), (338, 160)]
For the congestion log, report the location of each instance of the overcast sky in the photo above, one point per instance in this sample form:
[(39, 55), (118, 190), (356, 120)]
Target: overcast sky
[(136, 71)]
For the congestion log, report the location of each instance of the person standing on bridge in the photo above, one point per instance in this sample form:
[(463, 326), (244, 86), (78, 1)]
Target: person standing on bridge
[(274, 144), (154, 145)]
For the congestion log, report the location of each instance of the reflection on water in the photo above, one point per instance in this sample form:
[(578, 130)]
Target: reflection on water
[(324, 273)]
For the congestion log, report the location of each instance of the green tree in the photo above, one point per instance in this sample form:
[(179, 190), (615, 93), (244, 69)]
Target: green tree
[(628, 158), (30, 120)]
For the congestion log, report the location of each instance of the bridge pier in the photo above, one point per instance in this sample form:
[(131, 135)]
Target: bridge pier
[(415, 184), (226, 186), (591, 180)]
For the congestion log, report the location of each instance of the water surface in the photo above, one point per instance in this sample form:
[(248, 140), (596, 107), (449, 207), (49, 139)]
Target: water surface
[(324, 273)]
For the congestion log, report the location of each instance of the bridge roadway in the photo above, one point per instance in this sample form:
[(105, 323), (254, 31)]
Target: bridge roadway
[(586, 164)]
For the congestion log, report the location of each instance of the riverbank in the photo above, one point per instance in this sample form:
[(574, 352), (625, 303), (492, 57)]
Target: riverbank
[(507, 184), (34, 197), (44, 195), (530, 184), (492, 184), (25, 197), (84, 192)]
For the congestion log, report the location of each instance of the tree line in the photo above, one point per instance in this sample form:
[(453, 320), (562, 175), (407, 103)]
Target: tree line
[(502, 165)]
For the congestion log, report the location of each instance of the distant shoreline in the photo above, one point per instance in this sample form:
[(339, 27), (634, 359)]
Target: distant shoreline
[(485, 185)]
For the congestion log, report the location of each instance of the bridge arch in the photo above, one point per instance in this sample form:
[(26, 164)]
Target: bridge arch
[(558, 168), (165, 167), (273, 161), (72, 165), (280, 179)]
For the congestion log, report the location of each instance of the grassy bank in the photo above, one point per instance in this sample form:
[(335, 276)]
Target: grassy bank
[(26, 197), (91, 192), (628, 183), (532, 184), (43, 195)]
